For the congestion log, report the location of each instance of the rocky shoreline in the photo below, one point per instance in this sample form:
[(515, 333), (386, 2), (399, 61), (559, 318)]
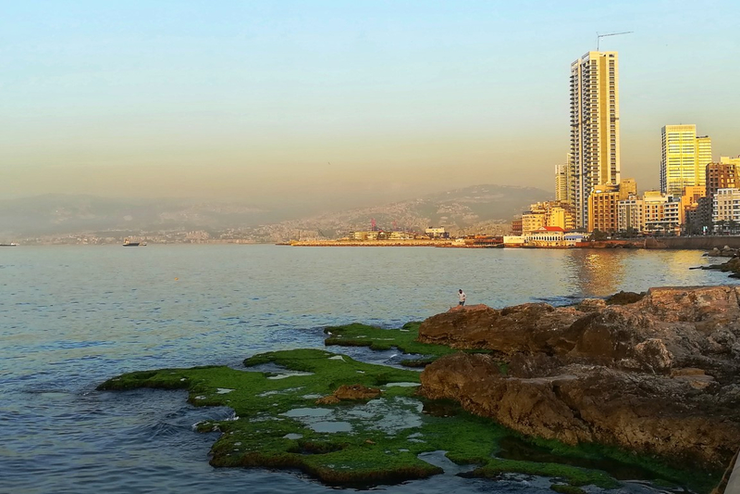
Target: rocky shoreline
[(657, 376), (647, 381)]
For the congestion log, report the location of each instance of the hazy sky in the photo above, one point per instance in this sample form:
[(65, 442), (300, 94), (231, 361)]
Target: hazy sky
[(296, 100)]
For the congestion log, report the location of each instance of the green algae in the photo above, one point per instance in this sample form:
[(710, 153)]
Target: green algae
[(379, 339), (620, 463), (277, 423)]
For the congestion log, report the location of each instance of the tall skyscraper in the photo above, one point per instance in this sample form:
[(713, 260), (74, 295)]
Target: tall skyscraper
[(684, 158), (561, 181), (594, 128)]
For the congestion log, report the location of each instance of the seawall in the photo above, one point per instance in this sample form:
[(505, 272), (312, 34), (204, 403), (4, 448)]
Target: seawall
[(698, 242)]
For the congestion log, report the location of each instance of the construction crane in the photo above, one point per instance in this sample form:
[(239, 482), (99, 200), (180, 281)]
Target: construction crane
[(599, 36)]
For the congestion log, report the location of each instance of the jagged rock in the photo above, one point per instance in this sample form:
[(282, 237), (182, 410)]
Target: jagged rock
[(531, 327), (591, 305), (659, 375), (689, 325), (347, 392), (624, 298)]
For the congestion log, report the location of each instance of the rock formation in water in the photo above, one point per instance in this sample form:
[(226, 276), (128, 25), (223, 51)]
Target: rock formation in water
[(660, 375), (732, 266)]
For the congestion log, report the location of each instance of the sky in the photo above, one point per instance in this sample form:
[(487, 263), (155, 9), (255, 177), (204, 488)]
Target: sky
[(341, 102)]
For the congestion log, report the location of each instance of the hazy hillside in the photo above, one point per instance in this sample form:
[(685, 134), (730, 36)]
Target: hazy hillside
[(58, 214), (482, 207)]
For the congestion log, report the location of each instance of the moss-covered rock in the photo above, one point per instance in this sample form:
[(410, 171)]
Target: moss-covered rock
[(277, 423), (378, 339)]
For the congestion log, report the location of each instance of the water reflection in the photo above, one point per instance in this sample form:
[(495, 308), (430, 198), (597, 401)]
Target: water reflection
[(596, 273), (599, 273)]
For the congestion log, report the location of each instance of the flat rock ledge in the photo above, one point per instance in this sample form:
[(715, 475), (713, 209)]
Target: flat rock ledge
[(660, 375)]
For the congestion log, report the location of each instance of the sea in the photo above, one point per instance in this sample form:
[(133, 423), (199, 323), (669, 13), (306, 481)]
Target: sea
[(73, 316)]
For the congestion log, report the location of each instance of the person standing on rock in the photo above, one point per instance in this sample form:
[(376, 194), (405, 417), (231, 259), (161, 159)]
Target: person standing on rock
[(461, 295)]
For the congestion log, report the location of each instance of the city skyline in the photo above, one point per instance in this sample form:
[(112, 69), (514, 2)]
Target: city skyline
[(335, 102)]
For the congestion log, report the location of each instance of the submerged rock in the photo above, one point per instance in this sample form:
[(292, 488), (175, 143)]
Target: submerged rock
[(659, 375), (345, 392)]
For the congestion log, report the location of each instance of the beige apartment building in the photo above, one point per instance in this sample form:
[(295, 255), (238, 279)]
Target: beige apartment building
[(594, 156), (726, 208), (684, 158), (532, 221), (602, 205), (661, 213), (631, 215), (548, 214)]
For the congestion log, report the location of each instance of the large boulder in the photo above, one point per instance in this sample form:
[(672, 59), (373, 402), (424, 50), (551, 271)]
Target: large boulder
[(527, 327), (667, 328), (659, 375), (652, 414)]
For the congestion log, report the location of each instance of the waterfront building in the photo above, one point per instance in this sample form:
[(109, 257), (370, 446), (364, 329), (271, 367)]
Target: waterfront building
[(722, 175), (561, 216), (700, 220), (532, 220), (690, 205), (726, 209), (547, 236), (655, 212), (661, 213), (514, 240), (684, 158), (630, 215), (548, 213), (516, 226), (402, 236), (594, 129), (437, 232), (368, 235), (602, 205)]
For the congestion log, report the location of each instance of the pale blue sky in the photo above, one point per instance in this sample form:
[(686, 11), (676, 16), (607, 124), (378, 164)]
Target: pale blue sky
[(296, 100)]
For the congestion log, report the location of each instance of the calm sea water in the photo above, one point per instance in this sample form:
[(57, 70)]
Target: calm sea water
[(71, 317)]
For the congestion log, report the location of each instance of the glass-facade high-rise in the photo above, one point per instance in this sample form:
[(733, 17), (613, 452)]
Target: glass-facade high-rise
[(684, 158), (594, 128)]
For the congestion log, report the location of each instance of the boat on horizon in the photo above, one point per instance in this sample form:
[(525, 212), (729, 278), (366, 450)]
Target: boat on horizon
[(128, 243), (11, 244)]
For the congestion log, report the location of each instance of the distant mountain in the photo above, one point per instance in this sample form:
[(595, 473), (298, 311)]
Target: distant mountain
[(488, 208), (477, 209), (59, 214)]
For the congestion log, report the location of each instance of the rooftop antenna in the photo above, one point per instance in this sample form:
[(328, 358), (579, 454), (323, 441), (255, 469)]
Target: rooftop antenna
[(599, 36)]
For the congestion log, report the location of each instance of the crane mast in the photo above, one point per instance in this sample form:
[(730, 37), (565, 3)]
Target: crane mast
[(599, 36)]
